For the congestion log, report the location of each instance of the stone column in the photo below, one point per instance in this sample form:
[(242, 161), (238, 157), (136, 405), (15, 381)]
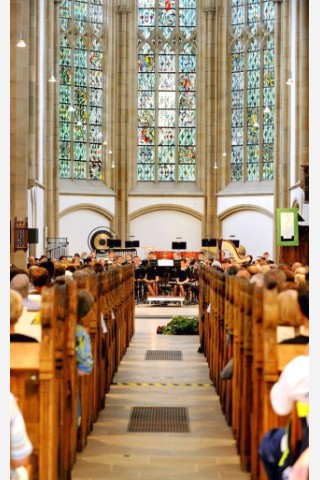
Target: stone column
[(282, 102), (33, 61), (51, 67), (282, 111), (19, 121), (211, 10), (121, 148), (302, 87)]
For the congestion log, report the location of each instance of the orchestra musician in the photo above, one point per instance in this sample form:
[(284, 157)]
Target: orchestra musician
[(182, 278), (139, 274), (151, 278)]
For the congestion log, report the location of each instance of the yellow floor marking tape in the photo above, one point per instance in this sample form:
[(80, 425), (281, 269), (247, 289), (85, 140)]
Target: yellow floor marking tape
[(156, 384)]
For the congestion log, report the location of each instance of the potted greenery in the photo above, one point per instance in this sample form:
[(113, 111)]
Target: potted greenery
[(180, 325)]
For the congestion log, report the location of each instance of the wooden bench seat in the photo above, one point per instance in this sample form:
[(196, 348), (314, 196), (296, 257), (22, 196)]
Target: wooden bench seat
[(44, 375), (243, 323), (34, 384)]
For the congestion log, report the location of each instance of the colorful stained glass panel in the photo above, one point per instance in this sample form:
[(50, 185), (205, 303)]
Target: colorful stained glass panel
[(167, 86), (146, 154), (166, 118), (187, 173), (166, 154)]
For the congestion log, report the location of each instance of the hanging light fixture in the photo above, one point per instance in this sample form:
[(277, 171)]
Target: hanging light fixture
[(224, 154), (52, 79), (215, 166), (21, 43), (289, 81)]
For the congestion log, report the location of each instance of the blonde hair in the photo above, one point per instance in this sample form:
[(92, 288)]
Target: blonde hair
[(16, 306), (289, 311), (300, 279)]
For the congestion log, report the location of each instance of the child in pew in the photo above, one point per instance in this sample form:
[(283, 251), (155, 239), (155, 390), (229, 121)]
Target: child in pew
[(84, 356), (16, 309), (20, 445), (290, 391)]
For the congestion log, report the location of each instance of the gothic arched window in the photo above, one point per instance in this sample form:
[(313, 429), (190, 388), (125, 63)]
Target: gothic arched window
[(166, 91), (80, 94), (252, 90)]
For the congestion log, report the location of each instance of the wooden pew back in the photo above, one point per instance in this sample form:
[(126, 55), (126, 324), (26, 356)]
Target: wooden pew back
[(33, 381)]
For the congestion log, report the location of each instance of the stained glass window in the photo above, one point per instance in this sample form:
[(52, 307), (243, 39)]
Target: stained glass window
[(80, 95), (252, 90), (166, 135)]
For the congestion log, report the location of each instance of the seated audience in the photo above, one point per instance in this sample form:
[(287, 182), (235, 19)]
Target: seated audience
[(290, 391), (40, 278), (288, 301), (16, 309)]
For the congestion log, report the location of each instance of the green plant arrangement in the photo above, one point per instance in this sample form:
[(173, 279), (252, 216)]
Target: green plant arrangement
[(180, 325)]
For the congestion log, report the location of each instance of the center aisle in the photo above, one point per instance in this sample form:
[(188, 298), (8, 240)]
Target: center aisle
[(206, 452)]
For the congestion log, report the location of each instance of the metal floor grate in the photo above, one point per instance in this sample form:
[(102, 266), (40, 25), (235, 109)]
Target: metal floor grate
[(163, 355), (159, 419)]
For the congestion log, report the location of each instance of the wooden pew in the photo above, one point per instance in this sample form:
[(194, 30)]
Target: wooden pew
[(46, 384), (88, 384), (251, 318), (275, 357), (114, 300), (33, 381), (228, 345), (64, 309)]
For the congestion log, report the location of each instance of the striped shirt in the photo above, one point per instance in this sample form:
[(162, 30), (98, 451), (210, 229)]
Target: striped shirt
[(20, 445)]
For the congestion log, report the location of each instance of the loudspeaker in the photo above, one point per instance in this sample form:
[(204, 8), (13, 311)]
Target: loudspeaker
[(132, 243), (114, 242), (209, 242), (179, 245), (236, 243), (33, 235)]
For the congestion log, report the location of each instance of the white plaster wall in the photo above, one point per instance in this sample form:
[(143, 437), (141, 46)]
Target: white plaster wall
[(225, 203), (253, 229), (194, 203), (77, 226), (159, 229), (67, 201)]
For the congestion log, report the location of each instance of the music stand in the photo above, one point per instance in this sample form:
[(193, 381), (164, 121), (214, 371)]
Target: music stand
[(163, 265)]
